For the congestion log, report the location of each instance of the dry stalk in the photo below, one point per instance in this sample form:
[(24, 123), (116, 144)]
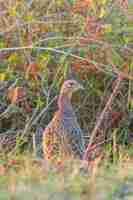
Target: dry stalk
[(101, 118)]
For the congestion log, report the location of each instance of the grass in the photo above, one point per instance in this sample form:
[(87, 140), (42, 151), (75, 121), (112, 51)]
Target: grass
[(23, 178), (40, 47)]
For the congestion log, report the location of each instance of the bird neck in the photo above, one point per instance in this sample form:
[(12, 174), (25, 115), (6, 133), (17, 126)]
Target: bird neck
[(64, 104)]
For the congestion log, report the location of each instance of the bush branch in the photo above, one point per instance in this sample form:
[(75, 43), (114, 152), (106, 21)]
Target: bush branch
[(101, 118)]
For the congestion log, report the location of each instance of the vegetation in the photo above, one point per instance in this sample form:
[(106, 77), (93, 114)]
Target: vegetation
[(42, 43), (23, 179)]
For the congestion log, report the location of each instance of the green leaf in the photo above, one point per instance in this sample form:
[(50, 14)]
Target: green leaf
[(13, 58), (82, 53)]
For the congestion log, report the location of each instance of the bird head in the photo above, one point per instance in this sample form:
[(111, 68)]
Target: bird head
[(70, 86)]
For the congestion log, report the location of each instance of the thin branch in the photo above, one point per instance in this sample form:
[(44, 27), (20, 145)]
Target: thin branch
[(95, 146), (60, 52), (111, 72), (15, 25), (43, 111), (101, 118)]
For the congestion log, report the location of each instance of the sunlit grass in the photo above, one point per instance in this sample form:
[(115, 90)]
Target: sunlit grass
[(23, 178), (55, 30)]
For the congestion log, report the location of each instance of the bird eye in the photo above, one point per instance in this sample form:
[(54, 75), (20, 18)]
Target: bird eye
[(71, 84)]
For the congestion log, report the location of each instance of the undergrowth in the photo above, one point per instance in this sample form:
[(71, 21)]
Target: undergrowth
[(23, 177), (43, 43)]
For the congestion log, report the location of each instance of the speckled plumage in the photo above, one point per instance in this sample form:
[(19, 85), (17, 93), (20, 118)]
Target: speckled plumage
[(63, 136)]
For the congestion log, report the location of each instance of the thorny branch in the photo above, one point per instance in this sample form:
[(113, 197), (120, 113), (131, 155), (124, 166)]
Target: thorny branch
[(97, 65), (101, 118)]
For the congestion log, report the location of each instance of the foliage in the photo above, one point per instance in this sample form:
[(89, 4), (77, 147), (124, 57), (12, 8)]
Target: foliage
[(42, 43), (22, 178)]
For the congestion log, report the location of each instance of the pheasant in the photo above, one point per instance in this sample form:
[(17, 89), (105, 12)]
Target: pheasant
[(63, 136)]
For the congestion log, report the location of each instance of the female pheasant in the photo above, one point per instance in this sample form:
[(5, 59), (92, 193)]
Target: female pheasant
[(63, 136)]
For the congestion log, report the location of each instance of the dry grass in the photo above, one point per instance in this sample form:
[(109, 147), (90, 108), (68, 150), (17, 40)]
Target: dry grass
[(49, 37), (24, 179)]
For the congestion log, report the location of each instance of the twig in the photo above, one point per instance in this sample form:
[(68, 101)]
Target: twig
[(12, 108), (97, 65), (32, 121), (29, 123), (43, 111), (12, 27), (95, 146), (101, 118), (60, 52), (34, 145)]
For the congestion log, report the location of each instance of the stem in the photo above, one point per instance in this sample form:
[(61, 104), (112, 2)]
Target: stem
[(101, 118)]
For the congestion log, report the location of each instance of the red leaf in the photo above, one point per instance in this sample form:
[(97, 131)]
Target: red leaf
[(15, 94), (2, 170), (12, 162), (31, 71)]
